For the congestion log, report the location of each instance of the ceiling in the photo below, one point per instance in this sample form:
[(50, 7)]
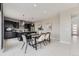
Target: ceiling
[(34, 12)]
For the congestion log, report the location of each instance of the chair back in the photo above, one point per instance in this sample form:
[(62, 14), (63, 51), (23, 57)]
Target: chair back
[(24, 38), (42, 37), (47, 36)]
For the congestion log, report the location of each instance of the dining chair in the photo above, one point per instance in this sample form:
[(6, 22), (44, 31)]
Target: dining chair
[(47, 37), (24, 42), (38, 40), (41, 38)]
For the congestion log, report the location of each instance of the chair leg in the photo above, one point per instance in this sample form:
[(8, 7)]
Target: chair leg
[(40, 45), (44, 43), (35, 46), (23, 45), (25, 48)]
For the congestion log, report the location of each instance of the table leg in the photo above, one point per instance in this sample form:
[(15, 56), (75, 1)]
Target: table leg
[(35, 44)]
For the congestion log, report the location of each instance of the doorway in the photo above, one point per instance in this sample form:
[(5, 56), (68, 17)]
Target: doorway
[(75, 28)]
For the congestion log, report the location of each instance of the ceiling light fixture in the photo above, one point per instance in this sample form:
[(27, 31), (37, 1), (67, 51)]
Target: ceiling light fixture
[(35, 5)]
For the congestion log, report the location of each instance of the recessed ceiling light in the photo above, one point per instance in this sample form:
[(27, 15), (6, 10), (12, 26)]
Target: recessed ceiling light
[(35, 5)]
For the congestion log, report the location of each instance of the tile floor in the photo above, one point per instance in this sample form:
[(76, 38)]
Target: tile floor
[(55, 48)]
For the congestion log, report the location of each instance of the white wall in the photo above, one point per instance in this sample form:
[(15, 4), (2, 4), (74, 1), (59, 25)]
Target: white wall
[(61, 26), (54, 22), (65, 27), (66, 20)]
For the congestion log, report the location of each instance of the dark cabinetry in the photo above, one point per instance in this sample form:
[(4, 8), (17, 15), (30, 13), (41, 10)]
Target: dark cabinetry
[(9, 31), (11, 24), (9, 35), (11, 28), (28, 26)]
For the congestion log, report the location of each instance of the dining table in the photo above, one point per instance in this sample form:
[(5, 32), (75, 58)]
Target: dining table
[(35, 36)]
